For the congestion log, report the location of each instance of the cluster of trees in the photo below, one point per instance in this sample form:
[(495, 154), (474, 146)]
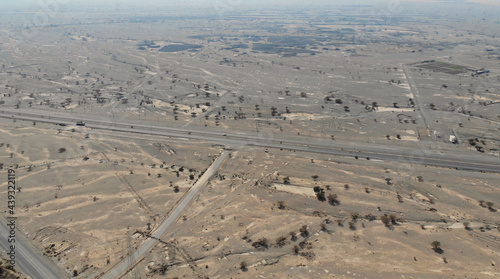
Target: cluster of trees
[(488, 205), (320, 193), (389, 220), (263, 243), (475, 143), (321, 196)]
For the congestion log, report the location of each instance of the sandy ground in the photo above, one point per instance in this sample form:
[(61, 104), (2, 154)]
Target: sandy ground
[(88, 198), (81, 205), (240, 209)]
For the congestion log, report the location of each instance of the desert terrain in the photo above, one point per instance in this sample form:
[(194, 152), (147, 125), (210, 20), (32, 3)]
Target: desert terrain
[(110, 121)]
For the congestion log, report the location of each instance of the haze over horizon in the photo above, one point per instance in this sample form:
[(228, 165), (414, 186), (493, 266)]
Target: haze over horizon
[(7, 6)]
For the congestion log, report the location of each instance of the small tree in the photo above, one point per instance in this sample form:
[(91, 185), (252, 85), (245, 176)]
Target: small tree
[(385, 220), (280, 241), (286, 180), (281, 205), (490, 205), (296, 249), (323, 227), (333, 199), (466, 225), (320, 193), (243, 266), (354, 216), (293, 236), (262, 244), (370, 217), (176, 189), (62, 150), (400, 198), (394, 219), (352, 226), (321, 196), (303, 231), (436, 246)]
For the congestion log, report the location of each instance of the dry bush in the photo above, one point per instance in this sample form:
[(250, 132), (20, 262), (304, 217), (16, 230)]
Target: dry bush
[(386, 220)]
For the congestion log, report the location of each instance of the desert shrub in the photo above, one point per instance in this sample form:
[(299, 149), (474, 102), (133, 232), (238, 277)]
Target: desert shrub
[(280, 241), (261, 244), (281, 205), (352, 225), (436, 246), (333, 199), (386, 220), (303, 231)]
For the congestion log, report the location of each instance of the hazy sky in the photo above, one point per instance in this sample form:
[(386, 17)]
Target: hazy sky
[(183, 2), (6, 5)]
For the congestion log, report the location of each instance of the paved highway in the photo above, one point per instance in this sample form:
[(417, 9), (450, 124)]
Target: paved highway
[(130, 261), (28, 261), (417, 156)]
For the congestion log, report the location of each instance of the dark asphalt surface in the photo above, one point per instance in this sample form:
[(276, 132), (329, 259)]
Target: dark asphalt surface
[(28, 261), (414, 156)]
